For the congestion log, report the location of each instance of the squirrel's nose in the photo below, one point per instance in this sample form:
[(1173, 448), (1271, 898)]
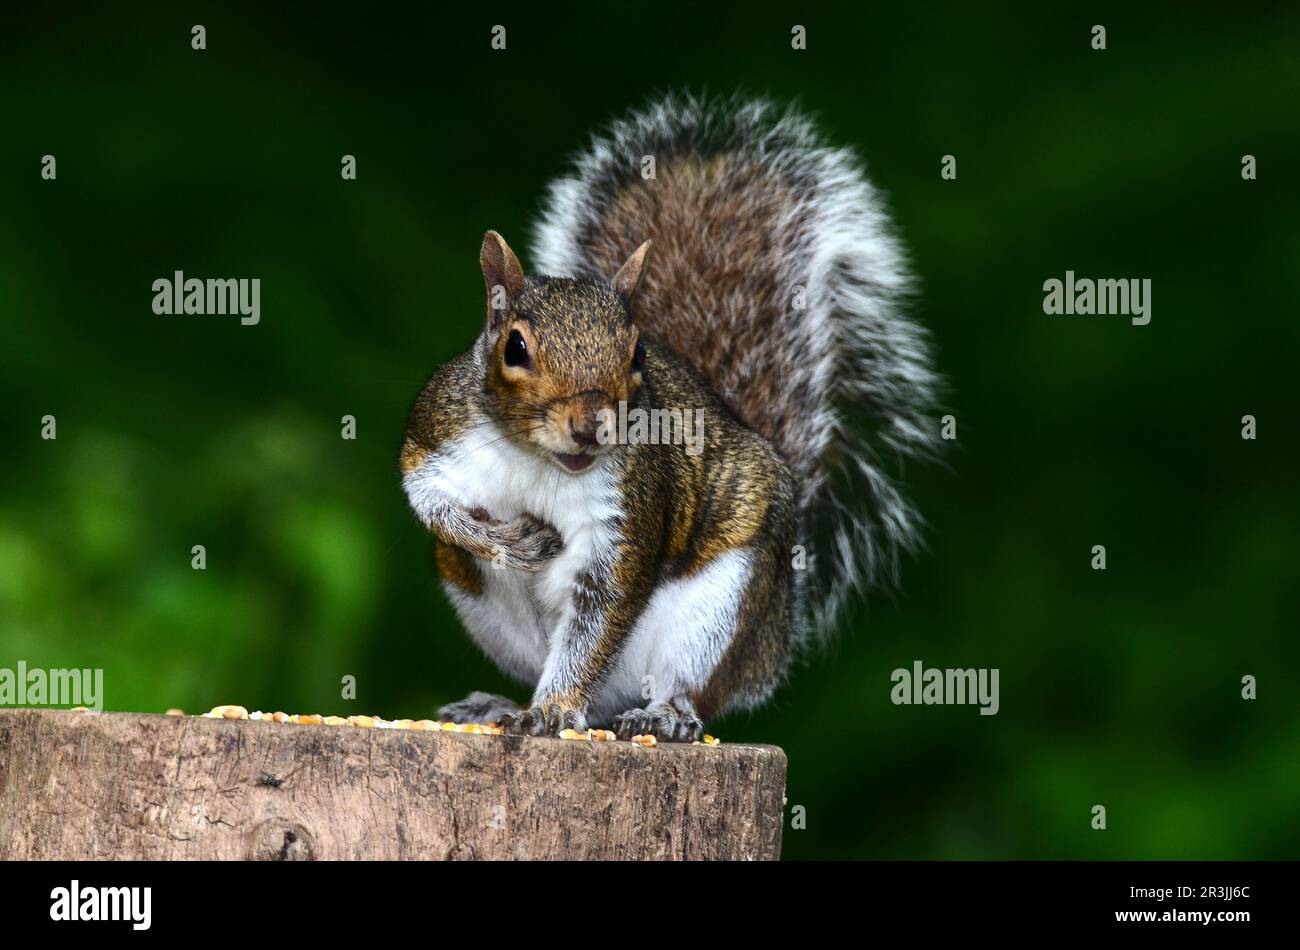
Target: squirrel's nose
[(584, 435)]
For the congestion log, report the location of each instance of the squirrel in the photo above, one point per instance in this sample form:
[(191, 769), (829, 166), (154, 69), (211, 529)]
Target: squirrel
[(750, 282)]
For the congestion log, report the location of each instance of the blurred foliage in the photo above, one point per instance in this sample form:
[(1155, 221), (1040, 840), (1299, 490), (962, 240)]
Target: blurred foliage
[(1118, 687)]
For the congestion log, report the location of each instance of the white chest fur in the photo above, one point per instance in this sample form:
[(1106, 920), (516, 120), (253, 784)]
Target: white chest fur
[(484, 470), (674, 645)]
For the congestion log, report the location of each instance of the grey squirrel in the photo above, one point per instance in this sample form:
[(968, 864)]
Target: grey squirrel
[(752, 283)]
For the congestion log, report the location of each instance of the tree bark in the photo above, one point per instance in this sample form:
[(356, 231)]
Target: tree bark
[(125, 786)]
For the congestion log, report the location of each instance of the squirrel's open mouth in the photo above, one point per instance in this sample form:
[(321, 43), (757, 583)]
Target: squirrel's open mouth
[(574, 463)]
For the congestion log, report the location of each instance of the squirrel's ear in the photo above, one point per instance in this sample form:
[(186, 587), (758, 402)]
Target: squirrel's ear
[(629, 275), (502, 275)]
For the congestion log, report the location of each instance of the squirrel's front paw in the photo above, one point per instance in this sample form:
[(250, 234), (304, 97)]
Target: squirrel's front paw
[(526, 543), (548, 720), (662, 720)]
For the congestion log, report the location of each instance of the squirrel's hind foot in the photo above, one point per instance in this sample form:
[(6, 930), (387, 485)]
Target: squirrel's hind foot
[(479, 707), (673, 721)]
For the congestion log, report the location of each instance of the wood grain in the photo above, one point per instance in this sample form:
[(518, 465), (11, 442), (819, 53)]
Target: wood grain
[(127, 786)]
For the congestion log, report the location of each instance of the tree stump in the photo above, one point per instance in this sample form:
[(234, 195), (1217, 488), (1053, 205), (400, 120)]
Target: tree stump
[(79, 785)]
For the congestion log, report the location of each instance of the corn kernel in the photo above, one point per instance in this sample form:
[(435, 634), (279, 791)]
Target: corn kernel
[(574, 734), (227, 712), (648, 741), (711, 740), (376, 722)]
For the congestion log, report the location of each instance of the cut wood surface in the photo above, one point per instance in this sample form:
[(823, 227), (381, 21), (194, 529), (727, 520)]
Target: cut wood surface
[(77, 785)]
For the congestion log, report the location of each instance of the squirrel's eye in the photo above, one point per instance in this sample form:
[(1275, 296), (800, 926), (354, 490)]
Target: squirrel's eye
[(516, 350), (638, 355)]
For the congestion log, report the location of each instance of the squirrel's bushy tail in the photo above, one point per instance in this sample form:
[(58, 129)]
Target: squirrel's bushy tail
[(773, 271)]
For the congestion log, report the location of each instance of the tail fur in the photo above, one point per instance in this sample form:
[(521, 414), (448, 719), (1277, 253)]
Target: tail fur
[(775, 272)]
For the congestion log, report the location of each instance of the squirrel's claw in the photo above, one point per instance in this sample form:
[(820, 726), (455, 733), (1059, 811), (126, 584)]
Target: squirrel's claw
[(543, 721), (525, 543), (669, 722)]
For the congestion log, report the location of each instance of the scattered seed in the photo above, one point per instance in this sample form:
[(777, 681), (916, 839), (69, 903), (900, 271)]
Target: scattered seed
[(414, 725), (228, 712)]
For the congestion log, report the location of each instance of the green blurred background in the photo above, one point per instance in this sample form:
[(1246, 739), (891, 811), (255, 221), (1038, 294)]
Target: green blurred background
[(1119, 687)]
